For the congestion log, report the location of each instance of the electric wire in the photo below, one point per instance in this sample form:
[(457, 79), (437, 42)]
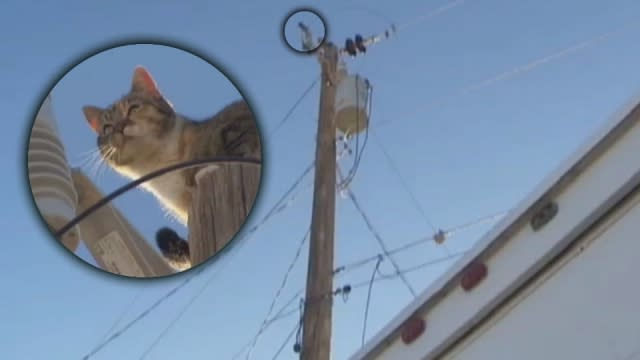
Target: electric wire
[(431, 14), (285, 312), (412, 244), (411, 269), (139, 317), (409, 245), (285, 342), (152, 175), (476, 222), (366, 309), (124, 312), (278, 292), (394, 28), (379, 239), (518, 70), (294, 107), (356, 7), (383, 277), (181, 313), (405, 185), (359, 150)]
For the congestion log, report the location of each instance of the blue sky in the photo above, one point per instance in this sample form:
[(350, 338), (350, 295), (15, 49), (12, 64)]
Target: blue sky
[(464, 151)]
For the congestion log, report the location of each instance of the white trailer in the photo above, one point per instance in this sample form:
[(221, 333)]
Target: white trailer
[(555, 279)]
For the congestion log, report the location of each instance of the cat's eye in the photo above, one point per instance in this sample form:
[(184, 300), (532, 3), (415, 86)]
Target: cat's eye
[(132, 109), (107, 129)]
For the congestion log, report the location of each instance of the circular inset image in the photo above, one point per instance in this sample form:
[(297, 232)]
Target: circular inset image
[(304, 30), (144, 160)]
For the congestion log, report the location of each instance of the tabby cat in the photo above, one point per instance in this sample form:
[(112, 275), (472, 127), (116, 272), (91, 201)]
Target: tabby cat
[(141, 132)]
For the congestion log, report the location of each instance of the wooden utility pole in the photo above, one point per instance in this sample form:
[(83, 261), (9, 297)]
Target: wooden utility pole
[(317, 317), (223, 199)]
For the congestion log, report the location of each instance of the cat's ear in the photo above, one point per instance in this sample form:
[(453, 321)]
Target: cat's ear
[(143, 82), (93, 115)]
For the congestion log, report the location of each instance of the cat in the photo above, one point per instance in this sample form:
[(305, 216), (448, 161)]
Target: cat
[(141, 132)]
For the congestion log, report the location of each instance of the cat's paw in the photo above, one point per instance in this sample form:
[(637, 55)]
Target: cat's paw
[(174, 248)]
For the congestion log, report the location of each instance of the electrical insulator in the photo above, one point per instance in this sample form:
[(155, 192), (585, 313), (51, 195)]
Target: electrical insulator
[(440, 237), (297, 348), (360, 44), (350, 47)]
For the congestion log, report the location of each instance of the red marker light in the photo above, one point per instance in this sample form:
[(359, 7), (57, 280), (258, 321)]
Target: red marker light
[(412, 329), (473, 275)]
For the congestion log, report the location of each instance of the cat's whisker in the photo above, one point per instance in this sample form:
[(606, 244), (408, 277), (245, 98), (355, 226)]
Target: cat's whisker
[(85, 157), (89, 152), (98, 161), (102, 167), (91, 166)]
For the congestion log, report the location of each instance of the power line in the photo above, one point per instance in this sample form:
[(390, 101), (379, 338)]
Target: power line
[(364, 43), (433, 13), (377, 236), (411, 269), (285, 342), (294, 106), (281, 204), (140, 316), (367, 260), (506, 75), (396, 170), (125, 311), (476, 222), (284, 313), (278, 292), (166, 330), (383, 277), (366, 309), (448, 233)]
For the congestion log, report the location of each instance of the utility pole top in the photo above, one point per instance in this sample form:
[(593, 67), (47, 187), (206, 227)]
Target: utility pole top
[(352, 47)]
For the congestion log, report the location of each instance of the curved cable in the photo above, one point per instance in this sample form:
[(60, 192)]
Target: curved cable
[(123, 189), (366, 309)]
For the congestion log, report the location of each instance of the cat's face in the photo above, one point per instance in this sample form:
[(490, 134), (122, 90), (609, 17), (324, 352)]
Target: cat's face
[(136, 125)]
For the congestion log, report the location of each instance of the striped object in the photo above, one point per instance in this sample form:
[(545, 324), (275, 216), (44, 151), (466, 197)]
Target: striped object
[(50, 176)]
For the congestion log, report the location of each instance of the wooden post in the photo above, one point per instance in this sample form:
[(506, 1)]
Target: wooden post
[(223, 199), (112, 241), (316, 341)]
